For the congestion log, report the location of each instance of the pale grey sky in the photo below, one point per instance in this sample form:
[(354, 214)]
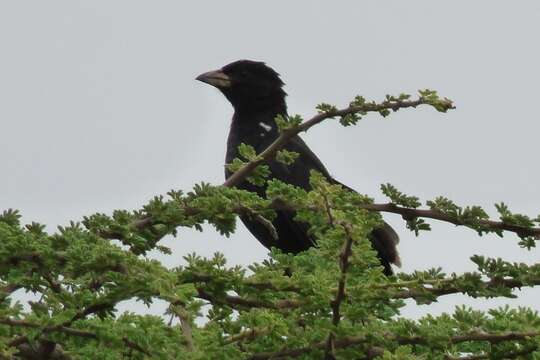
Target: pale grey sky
[(100, 109)]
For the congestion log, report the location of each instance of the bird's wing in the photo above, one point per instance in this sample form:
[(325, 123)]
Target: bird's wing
[(384, 239), (293, 236)]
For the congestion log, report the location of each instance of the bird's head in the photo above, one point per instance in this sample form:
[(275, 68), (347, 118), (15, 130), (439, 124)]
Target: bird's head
[(247, 84)]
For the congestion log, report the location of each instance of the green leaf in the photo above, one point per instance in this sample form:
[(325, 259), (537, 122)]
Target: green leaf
[(286, 157), (398, 198)]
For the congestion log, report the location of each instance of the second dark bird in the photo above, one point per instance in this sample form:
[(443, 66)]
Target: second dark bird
[(256, 93)]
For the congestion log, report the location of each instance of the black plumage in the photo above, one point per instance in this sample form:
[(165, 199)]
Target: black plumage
[(256, 93)]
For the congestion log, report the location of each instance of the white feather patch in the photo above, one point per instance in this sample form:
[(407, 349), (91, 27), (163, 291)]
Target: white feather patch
[(266, 127)]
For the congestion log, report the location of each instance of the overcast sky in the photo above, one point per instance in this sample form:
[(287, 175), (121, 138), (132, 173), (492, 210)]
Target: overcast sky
[(100, 110)]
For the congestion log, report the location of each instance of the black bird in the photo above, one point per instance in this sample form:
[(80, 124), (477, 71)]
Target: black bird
[(256, 93)]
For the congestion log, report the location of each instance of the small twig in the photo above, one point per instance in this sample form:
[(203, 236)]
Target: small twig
[(247, 335), (63, 329), (328, 209), (179, 310), (240, 302), (244, 210), (133, 345), (344, 256), (346, 253), (448, 288)]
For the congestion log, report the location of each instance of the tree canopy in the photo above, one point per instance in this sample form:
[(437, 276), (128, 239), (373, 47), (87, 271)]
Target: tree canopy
[(331, 302)]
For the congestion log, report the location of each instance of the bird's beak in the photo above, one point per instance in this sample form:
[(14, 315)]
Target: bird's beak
[(215, 78)]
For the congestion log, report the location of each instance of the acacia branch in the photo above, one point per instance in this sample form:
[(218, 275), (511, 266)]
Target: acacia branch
[(405, 212), (241, 302), (147, 221), (447, 287), (410, 213), (287, 134), (412, 289), (344, 256), (258, 218), (440, 287)]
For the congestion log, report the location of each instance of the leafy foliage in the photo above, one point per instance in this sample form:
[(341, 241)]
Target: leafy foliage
[(398, 198), (286, 157), (248, 153), (288, 122), (332, 301)]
